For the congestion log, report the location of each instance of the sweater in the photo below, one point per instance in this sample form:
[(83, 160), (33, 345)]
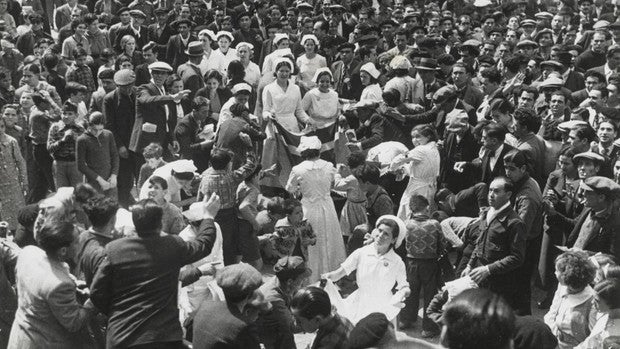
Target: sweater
[(97, 156)]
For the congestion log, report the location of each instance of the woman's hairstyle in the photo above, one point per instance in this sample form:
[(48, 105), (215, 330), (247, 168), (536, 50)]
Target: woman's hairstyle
[(171, 80), (153, 150), (324, 73), (356, 159), (428, 131), (33, 68), (214, 74), (310, 302), (236, 71), (146, 216), (392, 224), (575, 269), (608, 291), (310, 154), (125, 39), (55, 234), (288, 205), (159, 181), (282, 64), (478, 318)]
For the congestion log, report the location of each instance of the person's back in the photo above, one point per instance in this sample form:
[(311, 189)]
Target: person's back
[(137, 284), (222, 327)]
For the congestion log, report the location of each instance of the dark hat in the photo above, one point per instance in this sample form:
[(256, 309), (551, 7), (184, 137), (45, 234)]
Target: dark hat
[(195, 49), (369, 331), (106, 74), (418, 27), (500, 30), (178, 22), (161, 10), (565, 58), (426, 64), (238, 280), (544, 31), (346, 45), (601, 185), (526, 42), (590, 155), (444, 93), (35, 17), (367, 37), (565, 11), (123, 9), (69, 107), (243, 14), (613, 49), (528, 22), (389, 22), (291, 267)]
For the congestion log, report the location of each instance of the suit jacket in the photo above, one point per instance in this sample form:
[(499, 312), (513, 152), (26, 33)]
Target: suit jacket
[(249, 36), (186, 133), (482, 167), (221, 325), (136, 285), (48, 313), (603, 237), (465, 150), (175, 53), (160, 37), (575, 81), (120, 121), (472, 96), (192, 78), (151, 108), (63, 14), (143, 75), (344, 89)]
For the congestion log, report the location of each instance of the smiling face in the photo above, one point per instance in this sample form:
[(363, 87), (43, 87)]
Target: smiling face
[(283, 73), (324, 83), (606, 132), (383, 236)]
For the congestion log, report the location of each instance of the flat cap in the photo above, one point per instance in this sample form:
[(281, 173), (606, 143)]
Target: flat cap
[(602, 24), (526, 42), (400, 62), (601, 185), (290, 267), (543, 15), (444, 93), (589, 155), (551, 81), (553, 64), (527, 22), (124, 77), (160, 66), (369, 331), (137, 13), (238, 280), (161, 11)]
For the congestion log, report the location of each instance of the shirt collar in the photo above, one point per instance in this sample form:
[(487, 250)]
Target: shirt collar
[(575, 299)]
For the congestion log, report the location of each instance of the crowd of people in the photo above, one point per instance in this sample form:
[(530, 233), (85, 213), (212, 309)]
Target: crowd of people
[(229, 173)]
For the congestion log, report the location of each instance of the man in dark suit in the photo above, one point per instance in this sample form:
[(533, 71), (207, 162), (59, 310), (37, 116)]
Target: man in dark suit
[(228, 323), (190, 71), (592, 78), (63, 13), (613, 62), (149, 53), (136, 291), (177, 44), (491, 164), (500, 248), (155, 120), (596, 228), (160, 31), (459, 146), (427, 68), (342, 71), (119, 110), (466, 91), (135, 29), (193, 144), (246, 33)]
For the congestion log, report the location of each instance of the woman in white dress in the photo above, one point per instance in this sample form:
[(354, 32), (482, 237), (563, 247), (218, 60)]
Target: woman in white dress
[(309, 62), (282, 43), (206, 36), (221, 58), (282, 98), (369, 75), (313, 179), (252, 71), (422, 165), (378, 268), (321, 103)]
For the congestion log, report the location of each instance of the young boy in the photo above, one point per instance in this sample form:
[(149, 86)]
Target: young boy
[(76, 95), (153, 155), (293, 234), (80, 73), (97, 156), (247, 201), (425, 244), (61, 143)]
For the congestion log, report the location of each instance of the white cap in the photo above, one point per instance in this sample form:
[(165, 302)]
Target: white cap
[(309, 143), (279, 37), (209, 33), (309, 37), (181, 166), (283, 59), (247, 44), (226, 34), (400, 62), (242, 86), (552, 81), (482, 3), (321, 71), (402, 229), (371, 69), (160, 66)]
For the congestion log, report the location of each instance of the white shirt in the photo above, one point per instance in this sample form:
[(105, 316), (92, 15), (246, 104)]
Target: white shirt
[(493, 159)]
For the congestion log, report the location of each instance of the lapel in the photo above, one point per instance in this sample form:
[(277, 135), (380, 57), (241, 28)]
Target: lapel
[(591, 233)]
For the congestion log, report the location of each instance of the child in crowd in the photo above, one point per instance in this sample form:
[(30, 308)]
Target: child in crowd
[(266, 220), (354, 209), (153, 156), (573, 313), (293, 234), (425, 245)]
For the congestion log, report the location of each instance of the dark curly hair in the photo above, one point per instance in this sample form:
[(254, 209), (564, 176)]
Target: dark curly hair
[(575, 269)]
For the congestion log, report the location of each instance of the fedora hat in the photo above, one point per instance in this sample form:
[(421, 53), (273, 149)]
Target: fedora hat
[(195, 49), (427, 64)]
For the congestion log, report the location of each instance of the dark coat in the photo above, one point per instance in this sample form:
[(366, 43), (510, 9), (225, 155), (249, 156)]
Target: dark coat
[(453, 152), (186, 133), (482, 167), (344, 89), (120, 121), (604, 235), (575, 81), (218, 325), (160, 37), (151, 108), (175, 54), (192, 78)]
